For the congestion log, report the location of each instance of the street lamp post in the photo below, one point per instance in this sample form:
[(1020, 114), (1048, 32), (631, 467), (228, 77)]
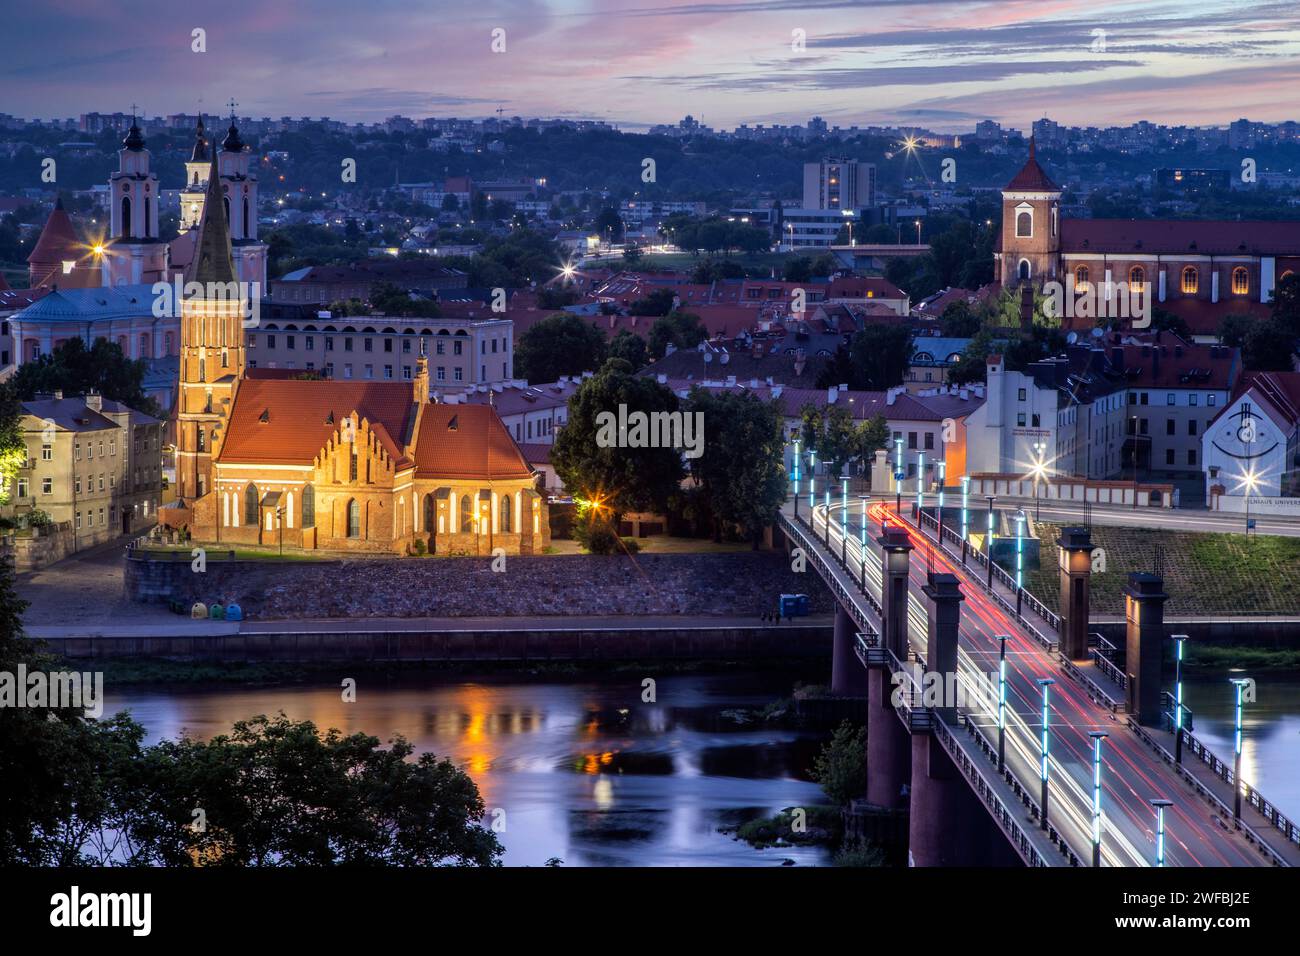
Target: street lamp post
[(943, 471), (1097, 737), (844, 521), (1002, 702), (827, 509), (1037, 472), (966, 488), (1239, 683), (1044, 683), (988, 544), (862, 544), (920, 485), (1179, 641), (1020, 560), (796, 479), (898, 477), (1160, 805)]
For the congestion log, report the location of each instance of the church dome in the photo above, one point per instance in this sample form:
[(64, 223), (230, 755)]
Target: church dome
[(134, 138), (232, 143)]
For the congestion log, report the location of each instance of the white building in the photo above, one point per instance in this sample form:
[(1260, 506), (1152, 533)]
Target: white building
[(837, 184), (1251, 447), (1018, 413)]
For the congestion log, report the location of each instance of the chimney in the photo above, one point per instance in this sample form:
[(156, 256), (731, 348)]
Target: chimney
[(890, 396), (832, 393), (776, 390), (95, 401)]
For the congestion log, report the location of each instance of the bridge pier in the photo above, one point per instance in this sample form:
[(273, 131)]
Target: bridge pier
[(947, 825), (848, 677), (889, 749)]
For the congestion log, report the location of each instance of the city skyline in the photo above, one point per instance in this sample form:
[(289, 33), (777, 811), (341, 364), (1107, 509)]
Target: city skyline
[(943, 65)]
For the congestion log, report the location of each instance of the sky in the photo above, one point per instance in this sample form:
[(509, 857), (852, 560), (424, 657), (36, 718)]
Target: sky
[(940, 64)]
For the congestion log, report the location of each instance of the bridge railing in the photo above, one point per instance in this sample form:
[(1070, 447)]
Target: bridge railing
[(1224, 771), (981, 781), (1104, 654), (909, 699), (867, 645)]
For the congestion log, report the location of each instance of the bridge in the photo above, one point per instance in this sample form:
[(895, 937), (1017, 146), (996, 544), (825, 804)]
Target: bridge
[(952, 658)]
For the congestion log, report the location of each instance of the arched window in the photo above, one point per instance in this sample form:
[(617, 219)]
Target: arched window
[(309, 507), (430, 509), (1023, 270), (126, 215), (1240, 281), (145, 345), (354, 518), (1024, 225), (1191, 281), (203, 440), (504, 507), (146, 217), (226, 201), (225, 359), (244, 226), (250, 505), (1080, 278), (1137, 277), (466, 513)]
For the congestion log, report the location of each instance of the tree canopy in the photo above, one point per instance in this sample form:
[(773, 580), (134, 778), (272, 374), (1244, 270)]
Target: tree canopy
[(562, 344), (77, 370)]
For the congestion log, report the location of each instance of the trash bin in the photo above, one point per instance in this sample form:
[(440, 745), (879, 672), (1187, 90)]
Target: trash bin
[(199, 611), (234, 612), (217, 613)]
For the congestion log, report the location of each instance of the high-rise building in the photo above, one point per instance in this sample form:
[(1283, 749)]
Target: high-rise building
[(839, 184)]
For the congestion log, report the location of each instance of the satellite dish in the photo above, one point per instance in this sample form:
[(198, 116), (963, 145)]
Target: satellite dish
[(1098, 332), (1072, 338)]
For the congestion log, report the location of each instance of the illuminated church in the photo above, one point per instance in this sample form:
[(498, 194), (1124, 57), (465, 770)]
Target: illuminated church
[(276, 456)]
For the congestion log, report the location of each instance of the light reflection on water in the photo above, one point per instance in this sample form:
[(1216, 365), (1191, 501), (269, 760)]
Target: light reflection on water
[(585, 771), (1270, 751)]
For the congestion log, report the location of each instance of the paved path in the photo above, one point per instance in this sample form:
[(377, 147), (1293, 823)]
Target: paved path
[(1167, 519)]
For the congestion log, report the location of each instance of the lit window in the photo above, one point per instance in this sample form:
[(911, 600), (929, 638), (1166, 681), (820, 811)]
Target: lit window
[(1191, 281), (1240, 281)]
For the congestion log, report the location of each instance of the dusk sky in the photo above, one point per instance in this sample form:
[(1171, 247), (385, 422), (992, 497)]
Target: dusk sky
[(943, 64)]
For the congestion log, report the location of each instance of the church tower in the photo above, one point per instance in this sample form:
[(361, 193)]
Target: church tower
[(135, 253), (1030, 245), (212, 347), (196, 180), (239, 190)]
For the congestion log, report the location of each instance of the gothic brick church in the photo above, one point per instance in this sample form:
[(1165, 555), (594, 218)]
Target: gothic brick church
[(1199, 270), (271, 456)]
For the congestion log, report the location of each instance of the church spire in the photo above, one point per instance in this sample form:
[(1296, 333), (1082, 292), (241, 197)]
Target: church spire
[(200, 152), (213, 260)]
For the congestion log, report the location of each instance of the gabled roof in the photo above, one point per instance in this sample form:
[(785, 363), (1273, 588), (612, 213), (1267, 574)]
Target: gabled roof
[(59, 241), (466, 441), (1032, 177), (1190, 236), (287, 421)]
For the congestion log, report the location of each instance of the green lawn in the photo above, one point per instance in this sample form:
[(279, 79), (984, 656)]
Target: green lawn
[(1226, 574), (241, 554)]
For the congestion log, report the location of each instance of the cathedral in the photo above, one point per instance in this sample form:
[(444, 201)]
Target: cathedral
[(272, 457)]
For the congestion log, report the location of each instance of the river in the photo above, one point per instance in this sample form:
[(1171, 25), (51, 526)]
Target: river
[(583, 769)]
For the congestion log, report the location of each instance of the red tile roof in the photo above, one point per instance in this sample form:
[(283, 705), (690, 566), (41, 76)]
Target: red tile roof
[(1280, 389), (466, 441), (59, 241), (863, 287), (297, 413), (1173, 236)]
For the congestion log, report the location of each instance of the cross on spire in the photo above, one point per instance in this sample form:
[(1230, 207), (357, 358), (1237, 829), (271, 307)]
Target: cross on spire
[(232, 105)]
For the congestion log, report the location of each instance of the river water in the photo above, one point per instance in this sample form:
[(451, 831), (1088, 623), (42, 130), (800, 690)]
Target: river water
[(1270, 750), (583, 769)]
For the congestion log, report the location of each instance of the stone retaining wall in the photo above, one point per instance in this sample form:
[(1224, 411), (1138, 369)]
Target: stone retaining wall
[(695, 584)]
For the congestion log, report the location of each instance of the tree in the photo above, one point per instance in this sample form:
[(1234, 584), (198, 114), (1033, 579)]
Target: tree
[(959, 320), (682, 330), (1269, 347), (841, 767), (609, 224), (657, 302), (632, 255), (13, 446), (1286, 304), (76, 370), (741, 472), (881, 355), (617, 479), (559, 345), (277, 792), (629, 347), (837, 438), (390, 300), (1233, 329)]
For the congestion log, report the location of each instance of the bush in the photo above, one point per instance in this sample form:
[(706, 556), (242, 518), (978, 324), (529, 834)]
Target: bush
[(841, 767), (859, 854), (600, 540), (39, 519), (420, 548)]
